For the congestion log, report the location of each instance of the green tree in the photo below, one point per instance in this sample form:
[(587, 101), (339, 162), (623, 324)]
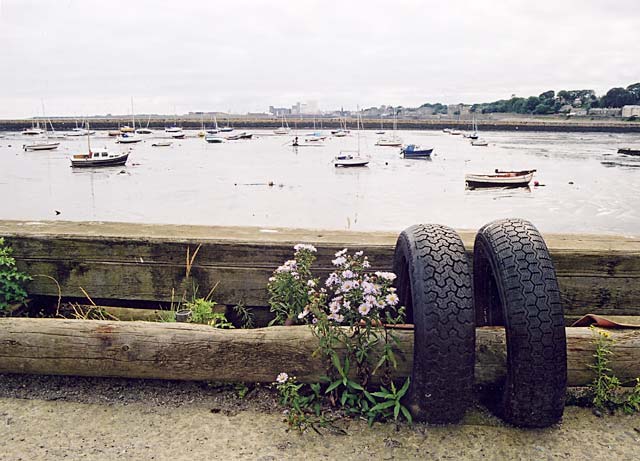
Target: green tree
[(532, 103), (618, 97), (548, 95)]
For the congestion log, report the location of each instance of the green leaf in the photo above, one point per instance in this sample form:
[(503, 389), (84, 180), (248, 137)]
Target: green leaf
[(332, 386), (336, 363), (383, 405), (404, 388), (406, 414), (382, 395), (355, 386), (396, 410), (343, 397)]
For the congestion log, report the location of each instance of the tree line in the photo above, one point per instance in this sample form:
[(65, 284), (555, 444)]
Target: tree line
[(551, 102)]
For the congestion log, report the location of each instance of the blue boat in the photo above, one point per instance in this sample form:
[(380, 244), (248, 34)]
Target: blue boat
[(415, 151)]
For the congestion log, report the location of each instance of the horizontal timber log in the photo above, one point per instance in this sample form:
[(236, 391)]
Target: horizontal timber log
[(144, 262), (196, 352)]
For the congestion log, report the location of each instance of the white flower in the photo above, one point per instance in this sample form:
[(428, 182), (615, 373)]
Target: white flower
[(366, 264), (341, 253), (348, 274), (339, 261), (346, 305), (364, 308), (347, 285), (332, 279), (282, 378), (386, 275), (337, 317), (304, 313), (392, 299), (334, 306), (311, 283), (359, 253), (272, 279), (305, 247), (369, 288)]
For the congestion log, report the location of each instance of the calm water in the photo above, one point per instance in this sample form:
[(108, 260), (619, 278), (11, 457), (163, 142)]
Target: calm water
[(588, 187)]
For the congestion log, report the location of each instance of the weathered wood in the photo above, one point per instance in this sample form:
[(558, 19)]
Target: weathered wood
[(196, 352), (142, 262)]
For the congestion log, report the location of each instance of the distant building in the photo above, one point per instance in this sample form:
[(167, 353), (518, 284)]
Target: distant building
[(279, 111), (578, 113), (604, 112), (455, 109), (631, 111)]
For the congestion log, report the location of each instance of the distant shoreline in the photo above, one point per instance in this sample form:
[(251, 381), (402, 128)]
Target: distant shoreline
[(194, 122)]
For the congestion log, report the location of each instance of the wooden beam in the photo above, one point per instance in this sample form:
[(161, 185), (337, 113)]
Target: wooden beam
[(143, 262), (196, 352)]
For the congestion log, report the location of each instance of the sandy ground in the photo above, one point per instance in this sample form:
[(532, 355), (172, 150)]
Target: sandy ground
[(44, 418)]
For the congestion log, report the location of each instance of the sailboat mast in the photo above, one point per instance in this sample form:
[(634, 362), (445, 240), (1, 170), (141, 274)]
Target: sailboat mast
[(133, 117)]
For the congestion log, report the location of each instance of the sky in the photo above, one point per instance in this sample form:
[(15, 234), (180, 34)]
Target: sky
[(88, 57)]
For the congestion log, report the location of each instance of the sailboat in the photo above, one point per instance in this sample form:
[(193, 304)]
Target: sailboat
[(349, 158), (284, 129), (146, 129), (43, 143), (226, 129), (78, 131), (394, 140), (35, 129), (175, 131), (98, 158), (381, 130), (342, 131), (215, 129), (127, 138), (474, 129)]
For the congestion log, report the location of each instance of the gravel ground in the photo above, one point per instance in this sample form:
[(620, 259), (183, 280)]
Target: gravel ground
[(44, 418)]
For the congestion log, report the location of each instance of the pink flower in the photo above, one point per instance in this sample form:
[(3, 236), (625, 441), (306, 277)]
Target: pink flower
[(305, 247)]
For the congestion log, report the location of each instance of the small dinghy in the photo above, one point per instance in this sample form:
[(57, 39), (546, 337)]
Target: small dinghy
[(161, 144), (500, 179)]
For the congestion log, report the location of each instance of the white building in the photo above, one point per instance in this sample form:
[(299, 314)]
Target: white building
[(631, 111)]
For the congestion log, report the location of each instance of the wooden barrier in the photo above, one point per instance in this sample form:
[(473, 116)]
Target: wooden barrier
[(196, 352), (141, 262)]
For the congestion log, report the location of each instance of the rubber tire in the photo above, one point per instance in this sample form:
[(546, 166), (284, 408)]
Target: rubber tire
[(515, 285), (435, 286)]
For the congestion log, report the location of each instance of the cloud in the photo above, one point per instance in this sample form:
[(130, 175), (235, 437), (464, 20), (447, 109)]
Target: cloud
[(92, 56)]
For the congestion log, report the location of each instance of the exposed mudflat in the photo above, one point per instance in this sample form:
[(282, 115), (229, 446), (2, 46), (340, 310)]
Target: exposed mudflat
[(45, 418)]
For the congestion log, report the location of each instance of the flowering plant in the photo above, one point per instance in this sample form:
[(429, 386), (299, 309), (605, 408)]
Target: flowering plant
[(348, 314), (289, 285)]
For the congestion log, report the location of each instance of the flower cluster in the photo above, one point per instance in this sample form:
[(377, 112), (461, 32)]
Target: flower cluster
[(356, 295)]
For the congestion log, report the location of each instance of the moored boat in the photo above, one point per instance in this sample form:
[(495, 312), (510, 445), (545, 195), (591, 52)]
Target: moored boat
[(241, 135), (161, 144), (128, 139), (415, 151), (629, 150), (346, 159), (99, 158), (213, 139), (41, 146), (500, 179), (479, 142)]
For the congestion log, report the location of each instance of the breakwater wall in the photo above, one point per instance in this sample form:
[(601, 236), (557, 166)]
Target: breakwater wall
[(195, 123), (147, 264)]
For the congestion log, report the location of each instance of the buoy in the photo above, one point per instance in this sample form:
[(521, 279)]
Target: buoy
[(536, 183)]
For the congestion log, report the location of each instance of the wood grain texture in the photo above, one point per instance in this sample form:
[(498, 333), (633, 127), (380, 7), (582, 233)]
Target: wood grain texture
[(196, 352)]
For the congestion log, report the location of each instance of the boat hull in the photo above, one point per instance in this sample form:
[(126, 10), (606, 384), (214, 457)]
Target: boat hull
[(44, 146), (99, 162), (629, 151), (498, 180), (419, 153)]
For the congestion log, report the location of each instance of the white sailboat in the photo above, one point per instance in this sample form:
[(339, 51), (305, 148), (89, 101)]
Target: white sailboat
[(350, 158), (126, 138), (394, 140), (215, 128), (284, 129), (43, 142)]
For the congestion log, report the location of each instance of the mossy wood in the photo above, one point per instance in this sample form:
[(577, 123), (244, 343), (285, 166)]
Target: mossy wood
[(197, 352), (597, 274)]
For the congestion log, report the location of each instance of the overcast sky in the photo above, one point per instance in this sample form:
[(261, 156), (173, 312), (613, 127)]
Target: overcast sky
[(92, 56)]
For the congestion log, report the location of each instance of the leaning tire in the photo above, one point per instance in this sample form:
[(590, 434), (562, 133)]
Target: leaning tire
[(515, 285), (434, 285)]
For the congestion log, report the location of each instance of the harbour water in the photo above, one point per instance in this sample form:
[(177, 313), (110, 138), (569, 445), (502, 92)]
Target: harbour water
[(585, 186)]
